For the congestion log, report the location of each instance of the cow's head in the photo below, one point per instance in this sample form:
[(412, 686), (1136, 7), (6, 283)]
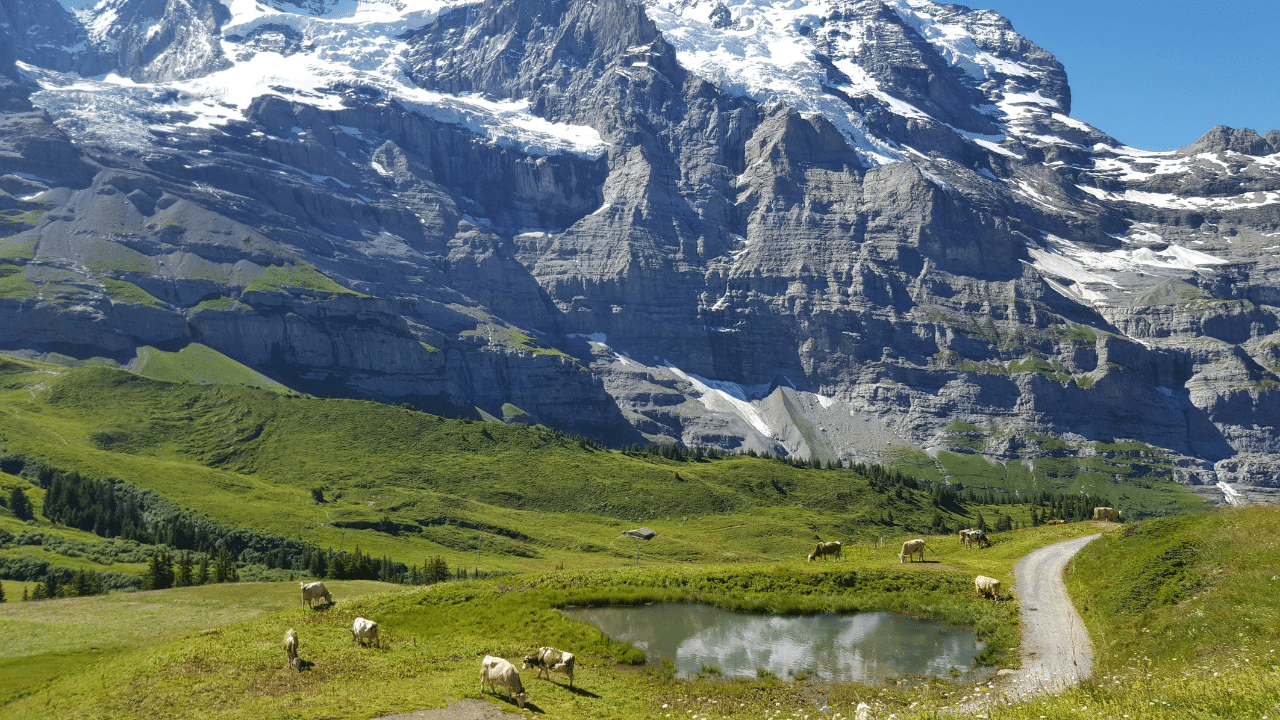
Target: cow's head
[(521, 698)]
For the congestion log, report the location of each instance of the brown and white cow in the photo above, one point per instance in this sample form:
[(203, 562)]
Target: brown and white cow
[(976, 537), (547, 659), (826, 548)]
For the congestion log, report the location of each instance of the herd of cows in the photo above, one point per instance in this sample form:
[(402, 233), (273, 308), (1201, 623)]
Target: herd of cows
[(499, 672), (985, 586), (496, 671)]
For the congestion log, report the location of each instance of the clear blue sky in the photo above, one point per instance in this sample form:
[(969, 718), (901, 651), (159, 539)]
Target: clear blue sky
[(1158, 75)]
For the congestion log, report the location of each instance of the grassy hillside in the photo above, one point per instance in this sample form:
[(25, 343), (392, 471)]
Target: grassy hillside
[(1184, 613), (199, 364), (407, 485)]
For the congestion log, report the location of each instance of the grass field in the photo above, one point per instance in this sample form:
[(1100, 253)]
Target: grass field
[(215, 649), (516, 499), (1195, 638), (409, 486)]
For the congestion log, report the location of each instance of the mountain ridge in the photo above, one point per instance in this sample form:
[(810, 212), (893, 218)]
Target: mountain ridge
[(643, 221)]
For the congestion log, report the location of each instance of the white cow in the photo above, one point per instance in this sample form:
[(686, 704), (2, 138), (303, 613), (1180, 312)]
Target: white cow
[(987, 587), (314, 591), (496, 670), (911, 548), (365, 632), (291, 648), (547, 659)]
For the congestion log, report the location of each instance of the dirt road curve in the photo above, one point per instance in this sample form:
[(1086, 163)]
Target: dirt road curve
[(1056, 651)]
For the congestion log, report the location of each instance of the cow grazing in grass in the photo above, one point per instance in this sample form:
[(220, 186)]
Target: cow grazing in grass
[(911, 548), (976, 537), (291, 648), (313, 591), (495, 670), (987, 587), (1106, 513), (365, 632), (826, 548), (547, 659)]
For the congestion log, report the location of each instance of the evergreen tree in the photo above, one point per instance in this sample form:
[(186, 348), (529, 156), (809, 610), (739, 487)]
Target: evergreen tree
[(224, 567), (202, 570), (1, 592), (25, 595), (20, 506), (435, 570), (183, 578), (159, 571), (981, 523)]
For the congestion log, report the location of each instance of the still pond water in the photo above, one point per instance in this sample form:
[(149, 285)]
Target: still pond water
[(862, 647)]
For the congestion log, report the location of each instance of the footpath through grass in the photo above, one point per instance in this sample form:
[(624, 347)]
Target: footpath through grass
[(1184, 613)]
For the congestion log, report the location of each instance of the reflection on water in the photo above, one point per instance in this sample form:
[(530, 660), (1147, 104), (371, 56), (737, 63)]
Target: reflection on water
[(862, 647)]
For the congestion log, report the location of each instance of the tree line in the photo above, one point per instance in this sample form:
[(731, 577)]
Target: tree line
[(190, 549)]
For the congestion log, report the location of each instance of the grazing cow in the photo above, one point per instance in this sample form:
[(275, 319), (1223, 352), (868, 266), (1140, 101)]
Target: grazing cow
[(824, 549), (1106, 513), (314, 591), (365, 632), (497, 670), (987, 587), (976, 537), (911, 548), (291, 648), (547, 659)]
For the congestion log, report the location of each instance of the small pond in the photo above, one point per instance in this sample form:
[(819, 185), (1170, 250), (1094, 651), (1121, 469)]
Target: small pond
[(862, 647)]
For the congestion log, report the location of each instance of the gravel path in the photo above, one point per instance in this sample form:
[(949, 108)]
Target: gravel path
[(1056, 651)]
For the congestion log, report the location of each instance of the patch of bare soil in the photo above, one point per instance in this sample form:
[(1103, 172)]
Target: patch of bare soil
[(464, 709)]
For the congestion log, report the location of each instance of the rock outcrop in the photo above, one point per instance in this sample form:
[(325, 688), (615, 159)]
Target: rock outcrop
[(830, 230)]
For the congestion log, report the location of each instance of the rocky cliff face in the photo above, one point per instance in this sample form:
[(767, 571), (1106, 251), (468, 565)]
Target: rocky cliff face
[(827, 229)]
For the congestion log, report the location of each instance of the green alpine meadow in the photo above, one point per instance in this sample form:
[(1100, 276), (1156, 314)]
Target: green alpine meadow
[(463, 538)]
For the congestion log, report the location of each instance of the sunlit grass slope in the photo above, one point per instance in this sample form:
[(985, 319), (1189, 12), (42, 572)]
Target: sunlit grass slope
[(42, 641), (408, 485), (198, 364), (1184, 613)]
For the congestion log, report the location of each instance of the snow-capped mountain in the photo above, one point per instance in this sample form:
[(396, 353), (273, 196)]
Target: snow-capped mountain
[(823, 227)]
